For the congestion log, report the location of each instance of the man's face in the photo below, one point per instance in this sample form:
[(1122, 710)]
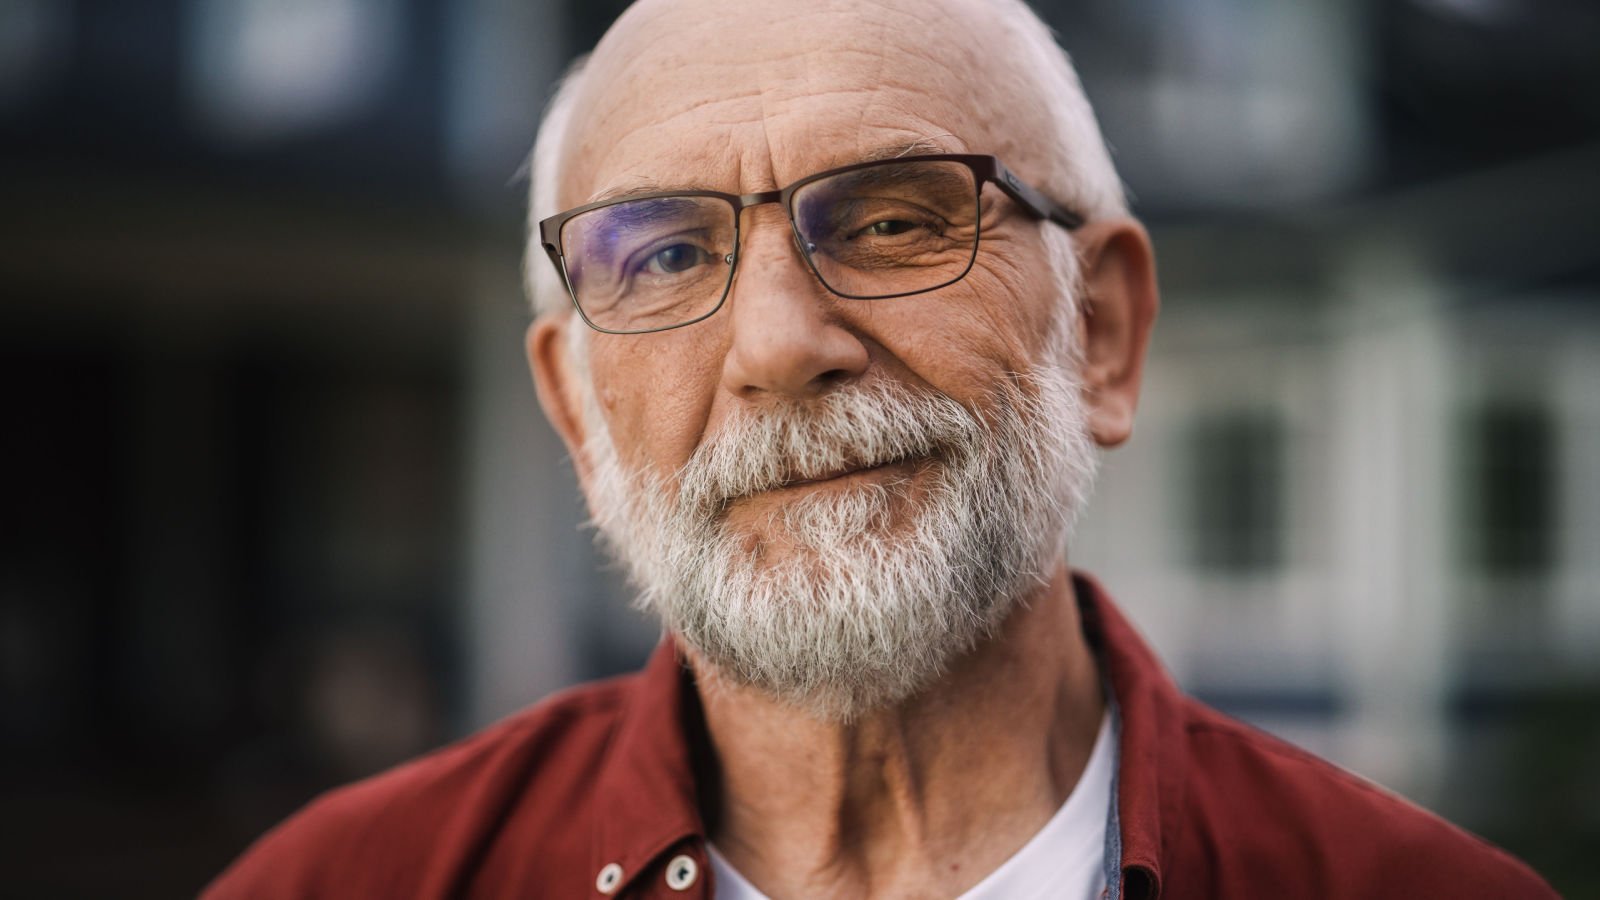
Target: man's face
[(734, 464), (751, 96)]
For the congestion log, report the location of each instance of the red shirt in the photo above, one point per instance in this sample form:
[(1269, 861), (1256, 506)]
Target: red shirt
[(595, 788)]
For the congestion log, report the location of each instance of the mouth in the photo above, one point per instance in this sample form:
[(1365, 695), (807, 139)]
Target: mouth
[(898, 469), (838, 475), (890, 473)]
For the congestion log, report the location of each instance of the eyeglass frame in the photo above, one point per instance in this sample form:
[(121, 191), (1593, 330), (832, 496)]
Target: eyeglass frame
[(986, 169)]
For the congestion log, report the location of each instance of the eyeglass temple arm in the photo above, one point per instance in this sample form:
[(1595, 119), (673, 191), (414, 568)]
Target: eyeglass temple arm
[(1034, 200)]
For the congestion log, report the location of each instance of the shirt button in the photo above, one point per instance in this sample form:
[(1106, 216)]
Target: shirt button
[(609, 878), (681, 872)]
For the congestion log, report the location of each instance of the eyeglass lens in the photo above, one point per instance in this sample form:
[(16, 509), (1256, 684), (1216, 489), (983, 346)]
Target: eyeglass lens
[(653, 263), (891, 229), (879, 231)]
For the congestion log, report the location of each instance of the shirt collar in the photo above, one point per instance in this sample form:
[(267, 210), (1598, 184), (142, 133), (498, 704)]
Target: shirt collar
[(646, 789), (1152, 753), (649, 798)]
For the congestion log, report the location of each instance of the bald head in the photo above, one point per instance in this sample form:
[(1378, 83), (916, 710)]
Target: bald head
[(746, 95)]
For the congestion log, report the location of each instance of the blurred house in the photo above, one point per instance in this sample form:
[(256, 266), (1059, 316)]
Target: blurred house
[(281, 509), (1362, 506)]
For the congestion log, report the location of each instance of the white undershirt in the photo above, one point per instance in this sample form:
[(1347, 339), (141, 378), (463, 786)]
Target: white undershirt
[(1066, 859)]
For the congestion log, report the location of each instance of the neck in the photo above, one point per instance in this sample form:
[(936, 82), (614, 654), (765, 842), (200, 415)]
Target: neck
[(889, 805)]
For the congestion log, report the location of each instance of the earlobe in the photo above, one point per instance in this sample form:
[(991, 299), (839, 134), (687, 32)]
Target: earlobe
[(555, 381), (1117, 311)]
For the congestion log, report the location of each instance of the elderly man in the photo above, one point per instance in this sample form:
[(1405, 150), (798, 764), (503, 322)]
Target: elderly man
[(835, 302)]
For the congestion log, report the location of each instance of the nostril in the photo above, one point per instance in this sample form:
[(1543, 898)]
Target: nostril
[(833, 378)]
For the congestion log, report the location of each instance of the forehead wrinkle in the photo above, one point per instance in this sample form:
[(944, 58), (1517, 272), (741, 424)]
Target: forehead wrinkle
[(902, 102), (879, 128), (608, 172), (606, 129), (889, 93), (877, 92), (766, 135), (806, 75), (882, 111)]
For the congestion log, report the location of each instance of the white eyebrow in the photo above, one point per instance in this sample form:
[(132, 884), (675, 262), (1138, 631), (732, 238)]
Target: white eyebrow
[(917, 147), (627, 189)]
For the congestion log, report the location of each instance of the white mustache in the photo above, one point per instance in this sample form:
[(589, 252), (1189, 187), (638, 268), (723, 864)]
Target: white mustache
[(858, 426)]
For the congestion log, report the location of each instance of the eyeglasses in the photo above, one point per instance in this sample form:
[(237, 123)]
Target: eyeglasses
[(869, 231)]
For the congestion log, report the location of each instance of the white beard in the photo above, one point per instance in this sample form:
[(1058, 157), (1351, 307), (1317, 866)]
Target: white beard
[(858, 611)]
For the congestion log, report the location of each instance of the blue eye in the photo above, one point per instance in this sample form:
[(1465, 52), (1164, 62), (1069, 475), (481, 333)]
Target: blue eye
[(675, 259)]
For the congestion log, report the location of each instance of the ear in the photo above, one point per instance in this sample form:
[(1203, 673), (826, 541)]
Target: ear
[(1117, 311), (555, 381)]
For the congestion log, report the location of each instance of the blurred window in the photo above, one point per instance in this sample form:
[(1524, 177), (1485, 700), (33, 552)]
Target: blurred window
[(1238, 491), (262, 69), (1509, 478)]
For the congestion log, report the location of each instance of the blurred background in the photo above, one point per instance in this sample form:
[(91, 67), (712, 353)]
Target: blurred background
[(280, 509)]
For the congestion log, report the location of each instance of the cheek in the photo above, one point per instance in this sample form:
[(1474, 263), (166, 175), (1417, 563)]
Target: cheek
[(654, 395), (998, 316), (1013, 274)]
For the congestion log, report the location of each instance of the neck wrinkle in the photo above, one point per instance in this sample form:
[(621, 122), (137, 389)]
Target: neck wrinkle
[(888, 804)]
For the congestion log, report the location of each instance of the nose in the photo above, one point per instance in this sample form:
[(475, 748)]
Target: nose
[(788, 339)]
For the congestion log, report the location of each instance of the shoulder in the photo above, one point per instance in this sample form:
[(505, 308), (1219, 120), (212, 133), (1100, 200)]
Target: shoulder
[(1264, 813), (418, 827)]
